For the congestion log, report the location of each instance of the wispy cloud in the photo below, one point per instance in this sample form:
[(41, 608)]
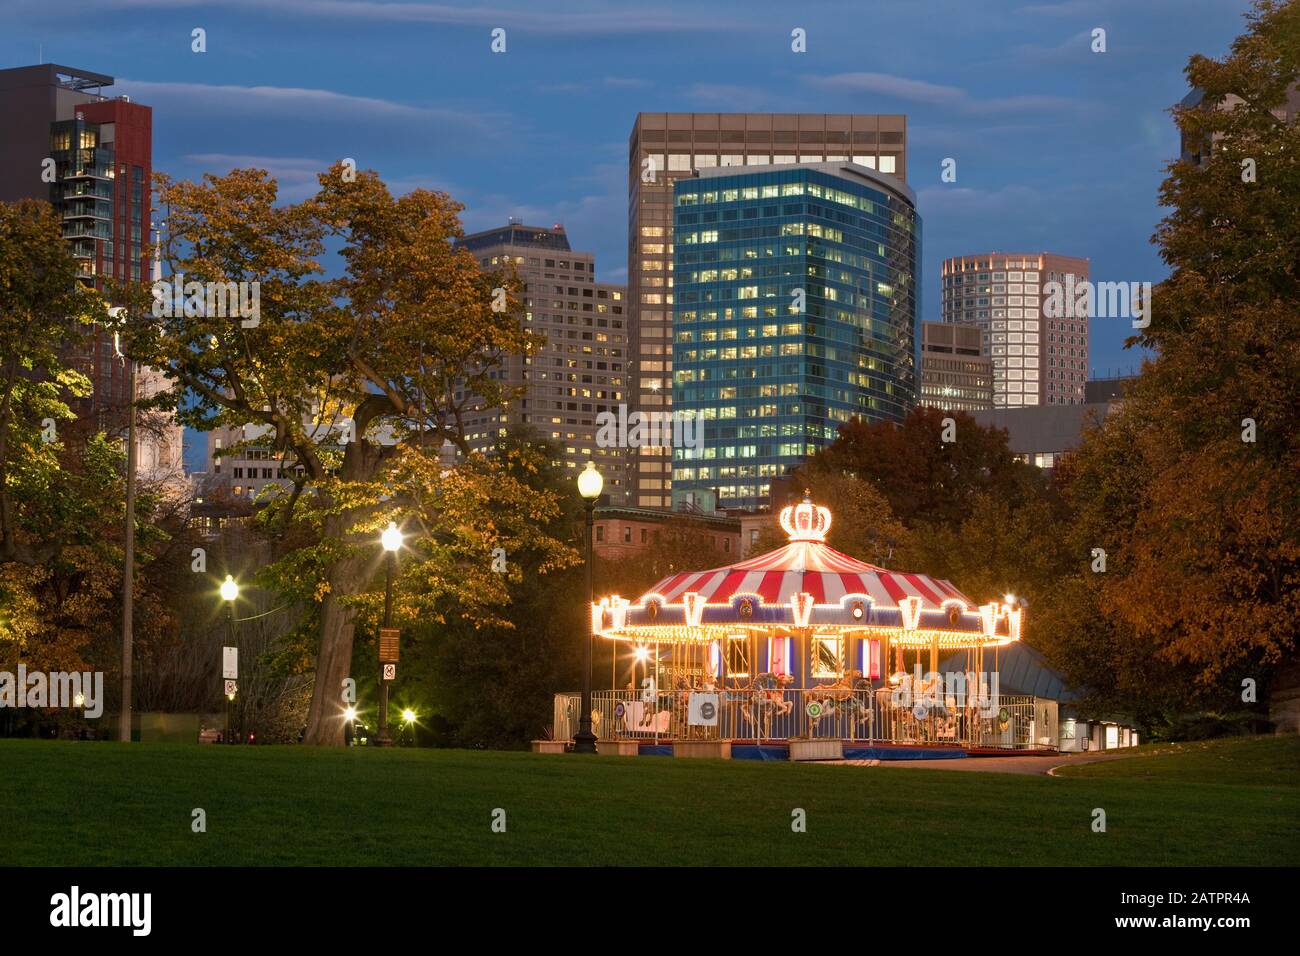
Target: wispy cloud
[(201, 116), (1064, 8), (1075, 47), (883, 84), (248, 100), (934, 94), (600, 84), (296, 176), (574, 18), (961, 201)]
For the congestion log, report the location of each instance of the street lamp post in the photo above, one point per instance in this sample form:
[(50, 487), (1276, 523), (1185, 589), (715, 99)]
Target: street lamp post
[(229, 594), (391, 539), (589, 485)]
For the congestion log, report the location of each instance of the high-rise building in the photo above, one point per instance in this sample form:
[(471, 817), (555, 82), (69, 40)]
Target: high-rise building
[(665, 147), (794, 312), (1037, 360), (91, 156), (581, 371), (956, 375)]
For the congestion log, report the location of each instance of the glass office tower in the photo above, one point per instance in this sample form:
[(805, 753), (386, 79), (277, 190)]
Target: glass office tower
[(666, 147), (796, 310)]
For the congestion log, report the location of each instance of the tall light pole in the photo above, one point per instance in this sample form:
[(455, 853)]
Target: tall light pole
[(128, 560), (589, 485), (128, 545), (391, 539), (229, 594)]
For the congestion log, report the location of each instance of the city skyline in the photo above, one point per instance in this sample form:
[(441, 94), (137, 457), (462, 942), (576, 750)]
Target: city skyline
[(1056, 147)]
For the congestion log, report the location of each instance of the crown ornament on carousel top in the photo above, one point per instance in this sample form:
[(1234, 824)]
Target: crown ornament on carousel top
[(806, 521)]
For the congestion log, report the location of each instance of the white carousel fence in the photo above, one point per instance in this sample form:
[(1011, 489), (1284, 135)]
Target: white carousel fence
[(1016, 722)]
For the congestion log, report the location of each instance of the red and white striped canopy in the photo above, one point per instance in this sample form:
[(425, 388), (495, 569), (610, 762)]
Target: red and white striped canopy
[(812, 567)]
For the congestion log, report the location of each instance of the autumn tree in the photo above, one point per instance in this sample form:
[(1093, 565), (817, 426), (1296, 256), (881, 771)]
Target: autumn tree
[(356, 383), (928, 469), (1192, 489)]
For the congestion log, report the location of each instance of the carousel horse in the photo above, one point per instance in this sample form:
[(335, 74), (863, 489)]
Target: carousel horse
[(765, 698), (844, 694)]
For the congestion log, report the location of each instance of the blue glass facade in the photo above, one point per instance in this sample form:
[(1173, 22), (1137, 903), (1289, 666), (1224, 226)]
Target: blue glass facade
[(795, 309)]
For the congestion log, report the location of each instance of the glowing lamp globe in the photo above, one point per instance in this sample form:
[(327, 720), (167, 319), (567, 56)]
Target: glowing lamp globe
[(590, 482), (229, 589), (350, 713), (408, 716), (391, 538)]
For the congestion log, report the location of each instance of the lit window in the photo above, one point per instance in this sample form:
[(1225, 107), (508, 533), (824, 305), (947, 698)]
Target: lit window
[(826, 656)]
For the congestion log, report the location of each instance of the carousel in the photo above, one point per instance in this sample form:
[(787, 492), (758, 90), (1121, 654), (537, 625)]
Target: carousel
[(807, 648)]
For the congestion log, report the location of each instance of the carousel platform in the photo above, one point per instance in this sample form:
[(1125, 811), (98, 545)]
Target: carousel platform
[(749, 750), (780, 750)]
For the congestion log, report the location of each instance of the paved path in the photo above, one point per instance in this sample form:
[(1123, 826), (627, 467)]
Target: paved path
[(1026, 765)]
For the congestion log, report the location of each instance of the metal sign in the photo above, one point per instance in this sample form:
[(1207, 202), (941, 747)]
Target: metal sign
[(702, 710), (229, 662), (638, 717), (388, 645), (390, 672), (231, 688)]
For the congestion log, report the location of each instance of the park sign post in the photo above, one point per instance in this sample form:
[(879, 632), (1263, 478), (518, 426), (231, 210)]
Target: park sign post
[(388, 653), (388, 645), (229, 677)]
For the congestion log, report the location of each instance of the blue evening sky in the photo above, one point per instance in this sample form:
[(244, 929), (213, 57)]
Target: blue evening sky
[(1057, 147)]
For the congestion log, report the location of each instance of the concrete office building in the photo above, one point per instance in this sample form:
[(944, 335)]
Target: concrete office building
[(795, 309), (956, 375), (665, 147), (242, 474), (1037, 360), (581, 371), (1041, 434), (1097, 390)]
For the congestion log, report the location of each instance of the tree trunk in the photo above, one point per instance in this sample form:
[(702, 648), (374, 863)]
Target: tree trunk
[(347, 578), (334, 659)]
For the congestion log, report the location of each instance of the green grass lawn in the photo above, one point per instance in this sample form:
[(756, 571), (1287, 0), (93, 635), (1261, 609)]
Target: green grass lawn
[(64, 803), (1266, 761)]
